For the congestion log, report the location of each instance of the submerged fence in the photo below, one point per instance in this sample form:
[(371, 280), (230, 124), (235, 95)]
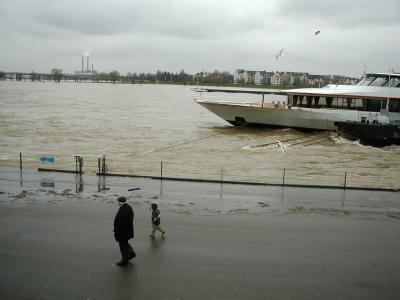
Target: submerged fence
[(208, 172)]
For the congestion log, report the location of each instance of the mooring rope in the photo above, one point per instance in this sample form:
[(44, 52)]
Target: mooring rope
[(188, 142), (310, 140), (317, 142), (272, 143), (179, 144)]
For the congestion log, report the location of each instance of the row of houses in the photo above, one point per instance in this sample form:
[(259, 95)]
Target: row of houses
[(288, 78)]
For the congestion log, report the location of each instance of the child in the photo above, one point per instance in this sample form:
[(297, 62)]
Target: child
[(155, 221)]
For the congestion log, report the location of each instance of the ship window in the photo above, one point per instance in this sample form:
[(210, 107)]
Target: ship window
[(394, 105), (392, 82), (316, 101), (347, 103), (292, 99), (383, 104), (322, 102), (329, 101), (309, 100), (358, 104), (395, 82), (367, 80), (379, 81), (372, 105), (342, 102), (336, 103)]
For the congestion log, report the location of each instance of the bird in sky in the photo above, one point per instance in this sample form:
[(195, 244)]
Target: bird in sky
[(317, 32), (280, 53)]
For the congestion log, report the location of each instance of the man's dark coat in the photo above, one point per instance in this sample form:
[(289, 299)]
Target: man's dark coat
[(123, 223)]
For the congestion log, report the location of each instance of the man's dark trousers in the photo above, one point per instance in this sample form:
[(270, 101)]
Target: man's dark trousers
[(126, 251)]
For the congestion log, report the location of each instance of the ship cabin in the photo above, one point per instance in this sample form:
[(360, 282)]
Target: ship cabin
[(376, 92)]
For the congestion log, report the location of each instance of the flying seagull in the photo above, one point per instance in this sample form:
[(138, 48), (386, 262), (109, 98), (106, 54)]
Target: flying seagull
[(279, 54), (317, 32)]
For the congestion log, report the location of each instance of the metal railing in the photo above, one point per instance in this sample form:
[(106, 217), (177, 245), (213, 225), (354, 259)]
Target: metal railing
[(210, 172)]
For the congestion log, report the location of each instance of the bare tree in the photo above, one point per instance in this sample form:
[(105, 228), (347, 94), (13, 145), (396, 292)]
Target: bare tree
[(57, 73), (114, 76)]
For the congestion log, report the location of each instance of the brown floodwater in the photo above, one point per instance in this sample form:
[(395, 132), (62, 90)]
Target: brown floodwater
[(139, 126)]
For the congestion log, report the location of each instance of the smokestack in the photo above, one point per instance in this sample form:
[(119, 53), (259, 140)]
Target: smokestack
[(87, 69), (83, 63)]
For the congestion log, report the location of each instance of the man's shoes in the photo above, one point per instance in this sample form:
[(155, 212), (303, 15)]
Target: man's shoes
[(122, 263), (163, 234)]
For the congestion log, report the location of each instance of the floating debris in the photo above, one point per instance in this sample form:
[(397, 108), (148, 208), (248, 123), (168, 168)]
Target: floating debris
[(66, 191), (21, 195), (393, 216)]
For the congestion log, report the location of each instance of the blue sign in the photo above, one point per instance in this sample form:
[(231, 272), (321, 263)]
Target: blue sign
[(47, 159)]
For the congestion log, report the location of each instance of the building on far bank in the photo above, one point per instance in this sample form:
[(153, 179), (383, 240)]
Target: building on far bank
[(279, 78), (258, 78), (238, 76), (292, 79), (249, 77)]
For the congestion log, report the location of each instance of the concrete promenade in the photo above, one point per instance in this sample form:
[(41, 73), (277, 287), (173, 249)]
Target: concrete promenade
[(58, 244)]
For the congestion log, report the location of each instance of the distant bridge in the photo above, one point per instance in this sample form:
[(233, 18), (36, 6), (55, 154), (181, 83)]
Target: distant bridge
[(58, 77)]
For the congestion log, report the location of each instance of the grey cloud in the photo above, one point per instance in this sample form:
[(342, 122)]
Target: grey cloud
[(147, 35), (189, 20), (341, 13)]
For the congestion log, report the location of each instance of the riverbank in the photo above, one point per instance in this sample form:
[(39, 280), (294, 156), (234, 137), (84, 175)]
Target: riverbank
[(223, 242)]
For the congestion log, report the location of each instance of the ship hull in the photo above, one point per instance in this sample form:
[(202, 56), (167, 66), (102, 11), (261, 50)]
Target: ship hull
[(377, 135), (275, 117)]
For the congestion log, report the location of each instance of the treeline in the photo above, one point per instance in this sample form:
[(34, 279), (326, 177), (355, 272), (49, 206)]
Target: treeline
[(215, 77), (57, 74), (161, 76)]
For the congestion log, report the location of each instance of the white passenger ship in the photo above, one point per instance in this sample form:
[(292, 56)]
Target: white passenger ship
[(374, 101)]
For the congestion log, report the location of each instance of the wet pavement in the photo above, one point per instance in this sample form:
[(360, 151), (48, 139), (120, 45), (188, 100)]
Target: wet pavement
[(223, 242)]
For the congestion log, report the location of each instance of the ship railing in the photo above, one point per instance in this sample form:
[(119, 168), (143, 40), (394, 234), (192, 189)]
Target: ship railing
[(373, 118)]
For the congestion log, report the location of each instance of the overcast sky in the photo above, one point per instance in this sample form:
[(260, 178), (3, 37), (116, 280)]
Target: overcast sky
[(150, 35)]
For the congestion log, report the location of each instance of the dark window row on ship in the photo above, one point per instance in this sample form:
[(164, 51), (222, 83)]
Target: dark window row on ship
[(375, 105), (383, 80)]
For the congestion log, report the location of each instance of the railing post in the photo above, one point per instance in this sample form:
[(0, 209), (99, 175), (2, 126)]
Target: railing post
[(345, 180), (76, 163), (104, 168), (222, 173), (80, 164), (20, 168), (283, 177), (98, 164), (161, 171)]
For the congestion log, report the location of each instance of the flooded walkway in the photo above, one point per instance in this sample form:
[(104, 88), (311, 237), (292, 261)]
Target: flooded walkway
[(223, 242)]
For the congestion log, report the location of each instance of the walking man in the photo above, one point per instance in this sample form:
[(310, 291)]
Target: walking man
[(123, 230)]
